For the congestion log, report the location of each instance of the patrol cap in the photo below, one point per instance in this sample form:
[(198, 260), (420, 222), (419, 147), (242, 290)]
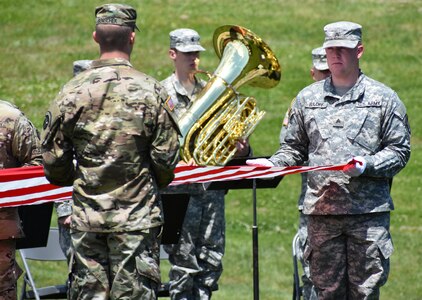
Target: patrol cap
[(342, 34), (116, 14), (319, 59), (185, 40), (81, 65)]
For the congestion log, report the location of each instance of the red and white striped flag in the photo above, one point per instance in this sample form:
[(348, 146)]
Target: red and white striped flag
[(28, 185), (193, 174)]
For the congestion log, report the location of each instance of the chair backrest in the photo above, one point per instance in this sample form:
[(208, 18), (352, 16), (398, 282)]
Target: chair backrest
[(51, 251)]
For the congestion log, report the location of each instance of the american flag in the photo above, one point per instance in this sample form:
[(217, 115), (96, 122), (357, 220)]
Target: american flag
[(28, 185)]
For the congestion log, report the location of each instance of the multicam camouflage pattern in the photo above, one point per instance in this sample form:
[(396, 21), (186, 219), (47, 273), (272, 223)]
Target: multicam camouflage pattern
[(369, 121), (108, 135), (197, 258), (64, 208), (116, 14), (135, 273), (19, 146), (9, 269), (111, 118), (364, 240)]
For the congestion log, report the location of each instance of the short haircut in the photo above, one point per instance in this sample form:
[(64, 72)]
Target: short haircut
[(113, 37)]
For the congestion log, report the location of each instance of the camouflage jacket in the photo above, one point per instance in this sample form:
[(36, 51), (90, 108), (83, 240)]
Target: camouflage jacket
[(19, 146), (370, 121), (108, 135)]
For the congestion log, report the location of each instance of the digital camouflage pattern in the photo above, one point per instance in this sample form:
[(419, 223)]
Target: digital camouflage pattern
[(111, 118), (369, 121), (348, 216), (197, 259), (349, 254), (19, 146), (185, 40), (308, 290), (179, 100)]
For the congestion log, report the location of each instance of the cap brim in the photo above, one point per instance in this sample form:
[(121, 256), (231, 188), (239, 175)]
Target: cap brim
[(340, 43), (321, 66), (190, 48)]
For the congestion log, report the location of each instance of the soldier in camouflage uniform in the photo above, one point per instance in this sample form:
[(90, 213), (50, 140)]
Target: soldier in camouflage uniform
[(19, 146), (347, 117), (111, 120), (319, 71), (64, 208), (197, 258)]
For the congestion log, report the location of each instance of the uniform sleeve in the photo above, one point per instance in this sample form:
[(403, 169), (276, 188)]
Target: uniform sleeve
[(395, 142), (293, 140), (165, 148), (57, 150), (26, 143)]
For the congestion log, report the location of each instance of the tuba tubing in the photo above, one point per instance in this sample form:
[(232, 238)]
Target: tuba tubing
[(219, 115)]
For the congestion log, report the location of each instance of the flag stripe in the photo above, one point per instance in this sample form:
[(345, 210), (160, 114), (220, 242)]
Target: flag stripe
[(28, 185)]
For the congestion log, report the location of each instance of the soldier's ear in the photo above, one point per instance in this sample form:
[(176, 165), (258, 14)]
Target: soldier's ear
[(94, 36), (360, 50), (132, 37), (172, 53)]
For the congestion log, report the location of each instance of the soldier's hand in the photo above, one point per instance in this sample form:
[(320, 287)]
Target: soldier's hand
[(259, 162), (64, 221), (242, 147), (355, 167)]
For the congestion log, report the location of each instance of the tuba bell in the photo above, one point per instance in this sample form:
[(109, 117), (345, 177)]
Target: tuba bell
[(220, 116)]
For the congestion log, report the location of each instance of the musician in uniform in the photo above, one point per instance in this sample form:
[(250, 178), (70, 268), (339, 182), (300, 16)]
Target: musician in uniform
[(109, 136), (197, 258), (19, 146), (347, 117)]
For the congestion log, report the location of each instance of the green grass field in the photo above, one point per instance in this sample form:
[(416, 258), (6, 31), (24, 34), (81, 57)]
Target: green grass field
[(40, 40)]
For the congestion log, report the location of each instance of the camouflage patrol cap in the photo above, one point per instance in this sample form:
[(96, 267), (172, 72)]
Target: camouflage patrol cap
[(185, 40), (342, 34), (319, 59), (116, 14), (81, 65)]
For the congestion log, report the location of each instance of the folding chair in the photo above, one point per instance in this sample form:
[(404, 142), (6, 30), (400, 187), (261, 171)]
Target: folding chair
[(297, 289), (51, 252)]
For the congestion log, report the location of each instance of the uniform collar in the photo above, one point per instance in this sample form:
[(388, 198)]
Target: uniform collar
[(99, 63), (352, 95)]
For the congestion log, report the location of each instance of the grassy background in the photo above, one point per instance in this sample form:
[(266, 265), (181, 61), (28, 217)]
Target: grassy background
[(40, 40)]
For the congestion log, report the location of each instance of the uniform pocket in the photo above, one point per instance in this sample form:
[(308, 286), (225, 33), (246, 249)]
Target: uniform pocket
[(386, 247), (148, 267)]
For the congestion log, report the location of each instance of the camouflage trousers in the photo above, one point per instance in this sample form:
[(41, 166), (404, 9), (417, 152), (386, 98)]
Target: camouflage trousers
[(349, 255), (9, 270), (197, 259), (308, 290), (115, 265), (65, 241)]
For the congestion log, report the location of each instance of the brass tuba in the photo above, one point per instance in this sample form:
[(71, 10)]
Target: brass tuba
[(220, 116)]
